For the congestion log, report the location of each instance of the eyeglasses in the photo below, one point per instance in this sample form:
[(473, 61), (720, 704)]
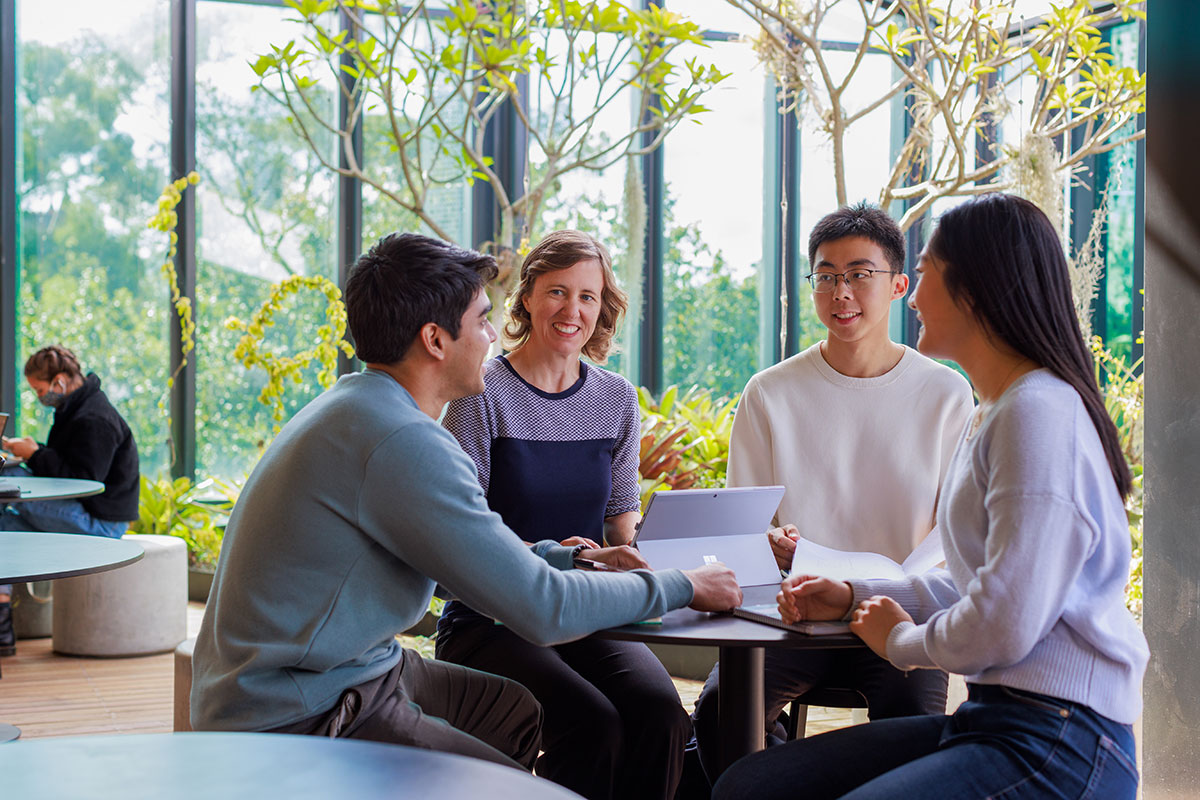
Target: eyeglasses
[(823, 282)]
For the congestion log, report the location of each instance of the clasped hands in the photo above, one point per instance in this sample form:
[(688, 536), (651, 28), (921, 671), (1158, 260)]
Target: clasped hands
[(621, 556), (812, 597)]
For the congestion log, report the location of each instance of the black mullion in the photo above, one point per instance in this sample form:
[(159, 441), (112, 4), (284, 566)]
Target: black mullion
[(9, 279), (650, 344), (349, 200), (789, 144), (1138, 313), (183, 161)]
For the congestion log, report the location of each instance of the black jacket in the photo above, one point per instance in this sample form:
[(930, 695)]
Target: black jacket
[(90, 440)]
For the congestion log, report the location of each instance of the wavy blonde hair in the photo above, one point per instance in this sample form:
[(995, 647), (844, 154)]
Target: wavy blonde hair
[(562, 250)]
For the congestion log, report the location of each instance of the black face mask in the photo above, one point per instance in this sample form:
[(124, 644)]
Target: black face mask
[(53, 399)]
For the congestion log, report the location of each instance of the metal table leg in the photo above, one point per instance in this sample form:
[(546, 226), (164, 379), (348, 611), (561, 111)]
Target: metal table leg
[(740, 707)]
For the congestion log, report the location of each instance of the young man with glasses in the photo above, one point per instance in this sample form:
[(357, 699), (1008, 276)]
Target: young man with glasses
[(860, 430)]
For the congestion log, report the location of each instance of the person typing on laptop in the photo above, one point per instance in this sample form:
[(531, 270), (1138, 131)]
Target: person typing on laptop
[(860, 430), (88, 439)]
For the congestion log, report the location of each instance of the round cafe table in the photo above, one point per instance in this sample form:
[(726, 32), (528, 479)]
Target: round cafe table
[(202, 766), (34, 488), (37, 556), (741, 646)]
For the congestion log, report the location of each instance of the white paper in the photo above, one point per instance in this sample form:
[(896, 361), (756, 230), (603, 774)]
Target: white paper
[(811, 558)]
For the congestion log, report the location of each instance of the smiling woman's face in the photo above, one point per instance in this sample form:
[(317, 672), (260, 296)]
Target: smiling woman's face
[(564, 306)]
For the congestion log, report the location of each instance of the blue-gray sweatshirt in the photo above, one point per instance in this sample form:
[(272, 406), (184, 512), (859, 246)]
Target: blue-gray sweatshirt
[(360, 504)]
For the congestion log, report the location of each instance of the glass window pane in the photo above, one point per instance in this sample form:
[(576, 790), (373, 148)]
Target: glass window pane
[(92, 126), (713, 220), (266, 210), (1123, 179), (589, 199)]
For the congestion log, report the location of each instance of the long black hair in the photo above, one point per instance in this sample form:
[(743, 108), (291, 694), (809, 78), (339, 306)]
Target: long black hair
[(1003, 260)]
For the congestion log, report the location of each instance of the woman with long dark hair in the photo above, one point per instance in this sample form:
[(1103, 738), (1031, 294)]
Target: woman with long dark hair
[(1030, 607)]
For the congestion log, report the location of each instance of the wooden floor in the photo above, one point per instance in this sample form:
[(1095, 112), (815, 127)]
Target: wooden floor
[(46, 694)]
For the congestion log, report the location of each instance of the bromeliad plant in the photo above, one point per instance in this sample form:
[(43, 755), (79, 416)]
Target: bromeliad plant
[(685, 439)]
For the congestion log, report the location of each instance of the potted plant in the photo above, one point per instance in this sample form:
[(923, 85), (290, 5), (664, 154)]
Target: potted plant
[(196, 513)]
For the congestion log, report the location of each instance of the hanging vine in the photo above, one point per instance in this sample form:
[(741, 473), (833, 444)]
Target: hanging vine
[(251, 351), (166, 219)]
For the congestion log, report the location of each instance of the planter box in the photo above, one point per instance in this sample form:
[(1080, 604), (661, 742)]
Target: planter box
[(199, 584), (33, 612)]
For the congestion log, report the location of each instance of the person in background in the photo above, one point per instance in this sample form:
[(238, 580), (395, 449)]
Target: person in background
[(860, 430), (321, 567), (1031, 605), (89, 440), (555, 443)]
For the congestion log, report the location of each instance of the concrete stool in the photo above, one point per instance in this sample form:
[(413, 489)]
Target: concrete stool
[(183, 685), (130, 611)]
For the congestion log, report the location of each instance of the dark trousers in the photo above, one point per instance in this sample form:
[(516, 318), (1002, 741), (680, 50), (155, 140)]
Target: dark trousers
[(614, 726), (437, 706), (1000, 743), (790, 673)]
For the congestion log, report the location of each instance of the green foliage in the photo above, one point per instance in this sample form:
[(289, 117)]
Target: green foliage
[(165, 220), (1123, 387), (685, 439), (181, 508), (429, 81), (961, 66)]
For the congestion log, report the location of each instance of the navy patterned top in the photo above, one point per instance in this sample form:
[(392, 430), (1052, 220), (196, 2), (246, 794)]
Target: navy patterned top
[(552, 465)]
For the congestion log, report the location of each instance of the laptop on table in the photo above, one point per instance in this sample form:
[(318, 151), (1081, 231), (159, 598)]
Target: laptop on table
[(684, 529)]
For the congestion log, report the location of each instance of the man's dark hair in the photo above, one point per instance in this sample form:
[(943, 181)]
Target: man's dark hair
[(405, 281), (863, 220)]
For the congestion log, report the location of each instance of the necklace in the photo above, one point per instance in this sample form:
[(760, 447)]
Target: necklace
[(982, 410)]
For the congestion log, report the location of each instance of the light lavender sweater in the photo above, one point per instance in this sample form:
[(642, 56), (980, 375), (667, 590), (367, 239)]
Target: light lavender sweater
[(1037, 558)]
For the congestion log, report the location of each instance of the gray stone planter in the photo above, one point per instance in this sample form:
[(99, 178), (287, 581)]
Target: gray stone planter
[(199, 584), (33, 611)]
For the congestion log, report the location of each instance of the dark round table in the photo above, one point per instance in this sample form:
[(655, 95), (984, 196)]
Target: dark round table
[(741, 644), (203, 766), (26, 556), (34, 488)]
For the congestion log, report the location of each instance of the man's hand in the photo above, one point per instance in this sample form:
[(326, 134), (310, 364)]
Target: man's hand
[(783, 544), (21, 447), (874, 619), (575, 541), (813, 597), (714, 588), (622, 557)]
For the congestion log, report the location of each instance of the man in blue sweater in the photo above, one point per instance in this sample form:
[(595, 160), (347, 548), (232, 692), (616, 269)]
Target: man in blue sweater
[(360, 505)]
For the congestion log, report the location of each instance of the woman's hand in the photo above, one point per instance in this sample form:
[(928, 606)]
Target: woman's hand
[(813, 597), (21, 447), (783, 544), (575, 541), (874, 619), (622, 557)]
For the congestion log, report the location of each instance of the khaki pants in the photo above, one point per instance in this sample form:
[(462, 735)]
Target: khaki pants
[(437, 706)]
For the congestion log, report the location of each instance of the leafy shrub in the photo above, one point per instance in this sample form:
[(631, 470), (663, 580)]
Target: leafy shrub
[(185, 509), (685, 439)]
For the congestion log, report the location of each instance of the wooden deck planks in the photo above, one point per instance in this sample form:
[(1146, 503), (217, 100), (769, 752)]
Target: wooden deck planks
[(46, 694)]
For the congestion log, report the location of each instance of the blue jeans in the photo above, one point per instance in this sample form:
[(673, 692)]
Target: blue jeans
[(58, 516), (1000, 743), (787, 674)]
